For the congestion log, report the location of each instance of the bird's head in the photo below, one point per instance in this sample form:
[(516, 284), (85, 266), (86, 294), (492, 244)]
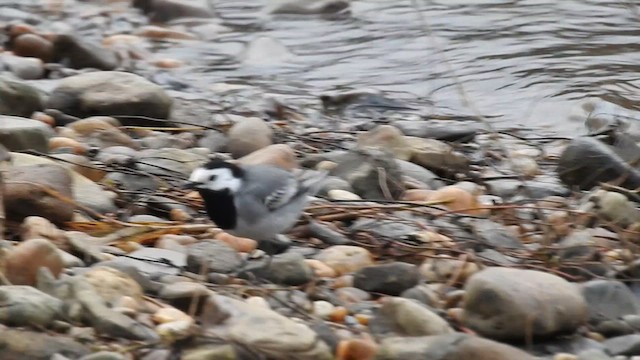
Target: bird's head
[(217, 175)]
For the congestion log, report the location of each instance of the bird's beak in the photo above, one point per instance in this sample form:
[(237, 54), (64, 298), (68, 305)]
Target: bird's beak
[(192, 185)]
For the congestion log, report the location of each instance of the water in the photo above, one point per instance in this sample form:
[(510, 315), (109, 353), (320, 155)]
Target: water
[(522, 63)]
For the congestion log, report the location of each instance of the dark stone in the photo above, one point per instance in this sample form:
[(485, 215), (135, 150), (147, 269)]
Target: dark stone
[(167, 10), (76, 53), (390, 279), (586, 162), (439, 129)]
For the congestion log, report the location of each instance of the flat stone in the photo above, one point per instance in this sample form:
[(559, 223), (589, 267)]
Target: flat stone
[(455, 346), (36, 345), (628, 345), (27, 306)]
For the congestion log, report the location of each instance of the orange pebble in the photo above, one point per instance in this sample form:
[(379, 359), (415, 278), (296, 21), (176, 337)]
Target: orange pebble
[(363, 319), (356, 349), (179, 215), (42, 117), (167, 63), (338, 314), (65, 142), (456, 199), (238, 243)]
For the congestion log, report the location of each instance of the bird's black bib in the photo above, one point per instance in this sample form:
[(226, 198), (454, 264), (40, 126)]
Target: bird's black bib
[(220, 208)]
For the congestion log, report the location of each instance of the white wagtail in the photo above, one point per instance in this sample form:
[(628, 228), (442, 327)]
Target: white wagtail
[(254, 201)]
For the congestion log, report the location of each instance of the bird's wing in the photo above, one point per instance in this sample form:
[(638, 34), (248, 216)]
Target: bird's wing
[(271, 187)]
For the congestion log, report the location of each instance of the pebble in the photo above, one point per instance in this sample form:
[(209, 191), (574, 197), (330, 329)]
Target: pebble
[(406, 317)]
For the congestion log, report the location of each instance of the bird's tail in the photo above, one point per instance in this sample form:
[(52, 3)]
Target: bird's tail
[(312, 180)]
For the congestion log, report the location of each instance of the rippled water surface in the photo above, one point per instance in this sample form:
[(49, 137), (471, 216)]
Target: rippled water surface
[(522, 63)]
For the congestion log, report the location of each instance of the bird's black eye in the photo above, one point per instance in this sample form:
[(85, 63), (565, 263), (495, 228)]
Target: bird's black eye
[(212, 177)]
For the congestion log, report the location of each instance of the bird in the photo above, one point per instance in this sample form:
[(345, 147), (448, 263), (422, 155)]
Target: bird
[(254, 201)]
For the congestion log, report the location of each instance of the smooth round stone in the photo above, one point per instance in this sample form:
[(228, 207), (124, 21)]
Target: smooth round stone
[(498, 304)]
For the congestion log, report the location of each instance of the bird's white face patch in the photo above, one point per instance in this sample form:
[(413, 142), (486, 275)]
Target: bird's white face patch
[(215, 179)]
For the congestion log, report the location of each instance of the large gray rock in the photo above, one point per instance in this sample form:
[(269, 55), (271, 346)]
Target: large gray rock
[(27, 306), (498, 304), (17, 133), (455, 346), (628, 345), (111, 93), (18, 98)]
